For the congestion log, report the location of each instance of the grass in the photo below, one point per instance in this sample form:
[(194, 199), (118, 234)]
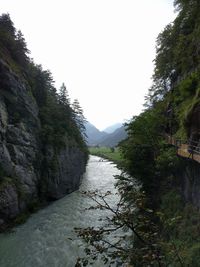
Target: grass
[(112, 154)]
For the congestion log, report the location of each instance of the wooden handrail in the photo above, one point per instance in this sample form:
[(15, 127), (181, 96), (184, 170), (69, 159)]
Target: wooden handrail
[(189, 149)]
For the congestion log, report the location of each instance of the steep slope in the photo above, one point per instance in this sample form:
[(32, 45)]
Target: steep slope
[(112, 128), (93, 134), (42, 153), (171, 182), (114, 138)]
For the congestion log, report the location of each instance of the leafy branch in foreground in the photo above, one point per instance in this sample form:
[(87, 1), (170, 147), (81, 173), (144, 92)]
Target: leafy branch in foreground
[(130, 234)]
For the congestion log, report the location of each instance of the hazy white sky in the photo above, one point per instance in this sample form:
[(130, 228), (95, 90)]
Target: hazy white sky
[(101, 49)]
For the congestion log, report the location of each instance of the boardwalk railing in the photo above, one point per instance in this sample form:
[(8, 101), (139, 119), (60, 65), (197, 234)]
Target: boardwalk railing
[(194, 146), (189, 149)]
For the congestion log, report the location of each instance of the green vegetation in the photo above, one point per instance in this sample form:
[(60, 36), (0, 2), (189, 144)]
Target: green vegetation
[(112, 154), (180, 229), (62, 123), (171, 103), (176, 78), (13, 46), (32, 102), (165, 228)]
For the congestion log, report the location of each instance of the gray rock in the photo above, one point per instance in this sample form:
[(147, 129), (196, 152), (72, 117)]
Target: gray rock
[(190, 182), (8, 202), (70, 167), (23, 177)]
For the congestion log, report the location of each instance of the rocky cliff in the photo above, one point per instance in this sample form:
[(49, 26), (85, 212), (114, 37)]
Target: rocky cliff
[(190, 182), (30, 171)]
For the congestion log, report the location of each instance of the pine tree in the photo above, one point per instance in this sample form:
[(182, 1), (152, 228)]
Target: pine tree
[(79, 117), (7, 25), (64, 95)]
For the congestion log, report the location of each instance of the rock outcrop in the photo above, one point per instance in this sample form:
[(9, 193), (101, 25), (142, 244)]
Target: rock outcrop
[(190, 182), (29, 172)]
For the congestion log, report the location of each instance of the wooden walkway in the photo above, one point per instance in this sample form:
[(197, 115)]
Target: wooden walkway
[(190, 149)]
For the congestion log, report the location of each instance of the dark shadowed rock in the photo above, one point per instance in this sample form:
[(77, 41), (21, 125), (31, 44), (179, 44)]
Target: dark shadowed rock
[(23, 177), (8, 202)]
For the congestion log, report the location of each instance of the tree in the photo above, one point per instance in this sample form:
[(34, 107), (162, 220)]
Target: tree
[(152, 161), (21, 49), (41, 83), (7, 33), (63, 95), (79, 117), (130, 233), (7, 25)]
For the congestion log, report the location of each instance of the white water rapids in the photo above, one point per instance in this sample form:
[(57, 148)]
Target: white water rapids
[(47, 239)]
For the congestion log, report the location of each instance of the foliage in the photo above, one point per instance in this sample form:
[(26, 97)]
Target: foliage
[(147, 155), (180, 227), (131, 234), (120, 227), (172, 229), (12, 42), (79, 117), (56, 115), (176, 74), (58, 127)]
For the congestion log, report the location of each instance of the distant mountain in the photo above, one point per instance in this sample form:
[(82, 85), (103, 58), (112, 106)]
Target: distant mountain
[(93, 134), (114, 138), (96, 137), (113, 127)]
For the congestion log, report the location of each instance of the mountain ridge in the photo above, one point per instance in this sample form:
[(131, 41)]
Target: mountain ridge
[(113, 127), (95, 137)]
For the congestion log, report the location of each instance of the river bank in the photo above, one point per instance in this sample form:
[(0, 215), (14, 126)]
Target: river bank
[(48, 238), (112, 154)]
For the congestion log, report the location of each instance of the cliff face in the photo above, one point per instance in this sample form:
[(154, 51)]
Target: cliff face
[(193, 124), (190, 182), (70, 165), (28, 171)]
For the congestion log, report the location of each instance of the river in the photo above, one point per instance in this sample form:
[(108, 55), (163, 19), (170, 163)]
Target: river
[(47, 239)]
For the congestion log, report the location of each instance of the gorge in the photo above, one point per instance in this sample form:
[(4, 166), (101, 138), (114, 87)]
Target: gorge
[(42, 151), (48, 237), (43, 154)]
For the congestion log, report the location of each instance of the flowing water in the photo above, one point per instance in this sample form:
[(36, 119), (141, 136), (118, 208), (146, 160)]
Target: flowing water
[(47, 239)]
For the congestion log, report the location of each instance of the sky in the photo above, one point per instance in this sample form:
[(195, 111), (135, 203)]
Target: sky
[(102, 50)]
